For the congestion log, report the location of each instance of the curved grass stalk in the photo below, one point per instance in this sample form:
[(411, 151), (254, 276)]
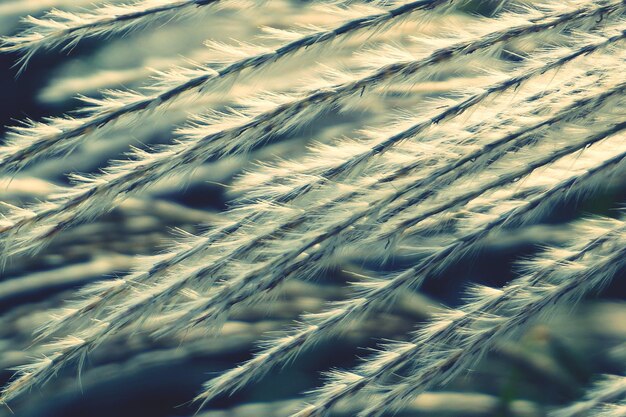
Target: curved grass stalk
[(445, 189), (376, 293), (68, 28), (102, 294), (291, 259), (261, 189), (95, 195), (76, 347), (57, 135), (448, 327), (569, 283)]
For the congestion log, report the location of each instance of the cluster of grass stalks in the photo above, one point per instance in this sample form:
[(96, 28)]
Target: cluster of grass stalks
[(372, 147)]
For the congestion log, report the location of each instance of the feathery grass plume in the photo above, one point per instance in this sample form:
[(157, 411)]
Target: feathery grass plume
[(452, 326), (311, 257), (237, 290), (377, 292), (269, 115), (57, 135), (191, 247), (393, 201), (483, 127), (611, 389), (215, 52), (137, 304), (274, 182), (67, 29), (566, 285), (231, 379), (275, 269), (11, 11)]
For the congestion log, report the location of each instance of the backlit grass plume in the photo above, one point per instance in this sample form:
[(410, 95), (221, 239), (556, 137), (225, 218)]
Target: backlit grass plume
[(375, 148)]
